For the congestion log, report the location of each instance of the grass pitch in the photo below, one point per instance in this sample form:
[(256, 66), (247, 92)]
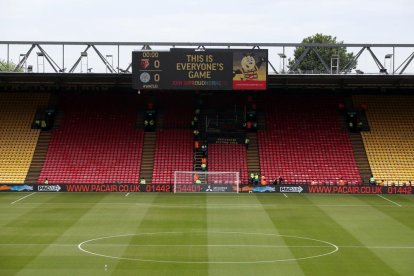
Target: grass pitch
[(205, 234)]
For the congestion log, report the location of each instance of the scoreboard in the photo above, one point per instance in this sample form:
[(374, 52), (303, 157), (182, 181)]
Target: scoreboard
[(200, 70), (149, 69)]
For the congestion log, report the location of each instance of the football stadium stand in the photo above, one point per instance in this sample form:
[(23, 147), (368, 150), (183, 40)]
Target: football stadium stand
[(176, 115), (389, 143), (302, 138), (97, 142), (228, 158), (303, 141), (110, 126), (17, 139), (174, 137), (173, 152)]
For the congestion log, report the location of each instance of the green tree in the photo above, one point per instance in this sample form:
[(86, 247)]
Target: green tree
[(7, 66), (311, 61)]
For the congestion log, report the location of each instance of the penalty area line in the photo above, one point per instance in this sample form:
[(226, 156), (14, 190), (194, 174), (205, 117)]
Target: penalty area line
[(393, 202), (22, 198)]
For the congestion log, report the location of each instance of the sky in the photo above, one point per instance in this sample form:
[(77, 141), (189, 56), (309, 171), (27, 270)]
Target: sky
[(277, 21)]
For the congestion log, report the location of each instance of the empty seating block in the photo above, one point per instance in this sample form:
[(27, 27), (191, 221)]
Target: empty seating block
[(177, 110), (97, 141), (389, 143), (228, 158), (173, 152), (303, 141), (17, 139)]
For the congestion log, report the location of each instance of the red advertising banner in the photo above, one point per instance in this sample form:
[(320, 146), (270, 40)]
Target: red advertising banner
[(168, 188)]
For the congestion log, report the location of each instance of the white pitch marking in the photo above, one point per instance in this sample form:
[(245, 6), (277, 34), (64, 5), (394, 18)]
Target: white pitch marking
[(393, 202), (331, 245), (38, 244), (210, 205), (22, 198), (377, 247), (209, 245), (127, 194), (170, 245), (285, 195)]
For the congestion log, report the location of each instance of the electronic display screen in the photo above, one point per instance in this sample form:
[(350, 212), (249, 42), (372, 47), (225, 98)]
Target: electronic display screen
[(241, 69)]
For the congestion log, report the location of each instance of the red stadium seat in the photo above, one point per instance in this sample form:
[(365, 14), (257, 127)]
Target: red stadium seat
[(173, 152), (303, 141), (96, 141), (228, 158)]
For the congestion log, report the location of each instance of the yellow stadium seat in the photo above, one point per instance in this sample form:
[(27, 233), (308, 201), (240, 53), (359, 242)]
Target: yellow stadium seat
[(17, 139), (389, 144)]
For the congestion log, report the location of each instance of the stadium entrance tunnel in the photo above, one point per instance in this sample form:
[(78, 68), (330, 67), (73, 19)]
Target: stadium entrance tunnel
[(208, 247)]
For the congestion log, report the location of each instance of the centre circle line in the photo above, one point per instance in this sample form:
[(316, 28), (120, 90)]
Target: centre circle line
[(328, 245)]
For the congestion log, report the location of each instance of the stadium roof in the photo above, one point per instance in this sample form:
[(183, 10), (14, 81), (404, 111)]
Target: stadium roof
[(52, 81)]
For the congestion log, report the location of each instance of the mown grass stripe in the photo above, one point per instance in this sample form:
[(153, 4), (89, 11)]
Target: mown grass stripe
[(159, 219), (316, 223), (244, 223), (367, 227), (42, 225), (398, 218), (374, 235)]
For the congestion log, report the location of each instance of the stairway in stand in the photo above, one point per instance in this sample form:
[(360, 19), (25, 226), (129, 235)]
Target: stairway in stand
[(360, 156), (198, 155), (253, 162), (39, 157), (253, 158), (147, 162), (42, 146)]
